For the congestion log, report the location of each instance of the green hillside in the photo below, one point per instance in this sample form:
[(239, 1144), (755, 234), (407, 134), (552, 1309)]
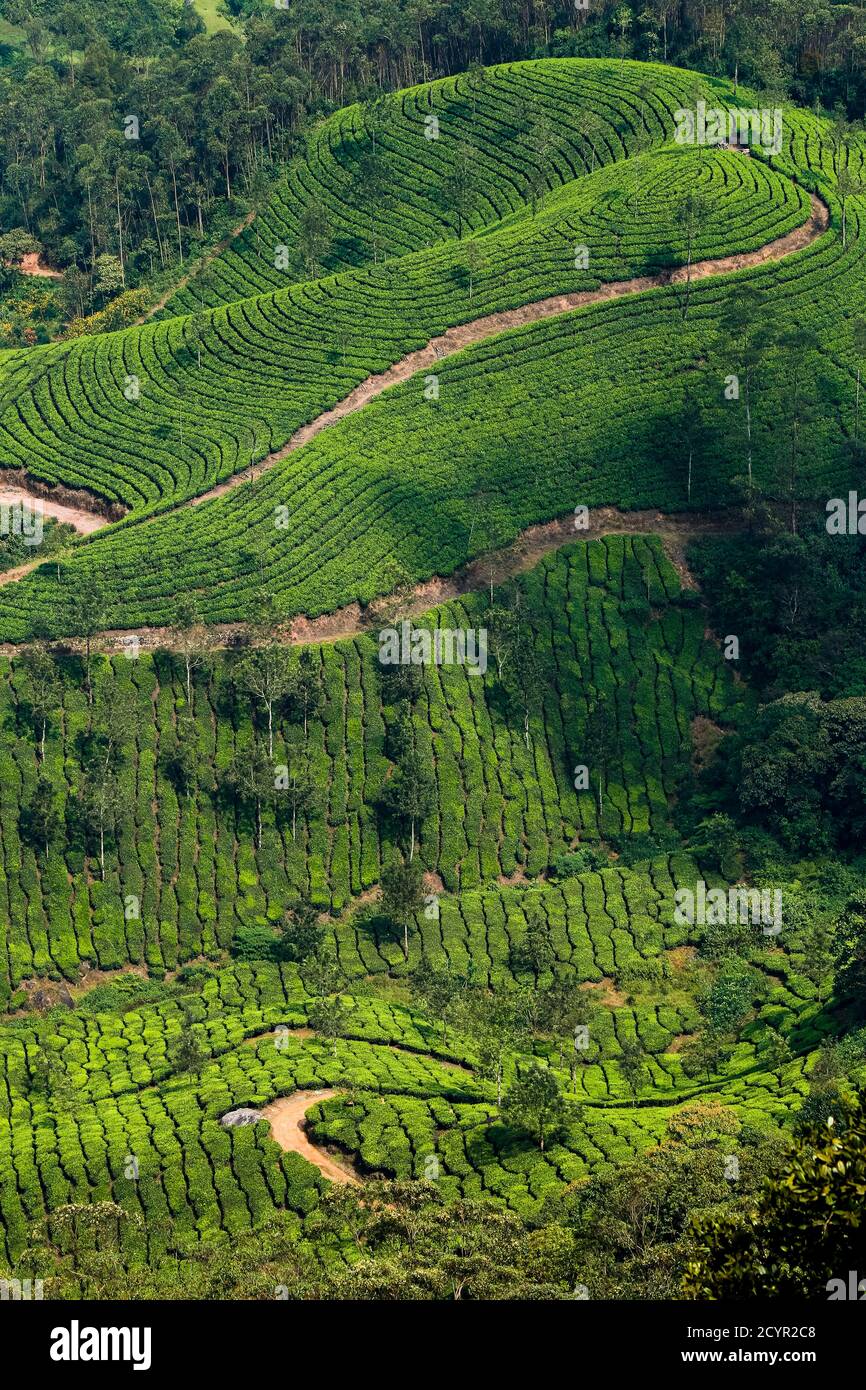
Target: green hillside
[(269, 364), (502, 365), (500, 806)]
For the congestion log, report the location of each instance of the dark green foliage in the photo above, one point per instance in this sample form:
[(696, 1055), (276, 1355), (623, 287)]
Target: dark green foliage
[(795, 602), (850, 959), (256, 943), (302, 932), (535, 1103), (402, 896), (804, 1231)]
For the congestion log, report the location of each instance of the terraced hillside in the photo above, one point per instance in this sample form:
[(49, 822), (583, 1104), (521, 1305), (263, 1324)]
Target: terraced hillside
[(223, 389), (435, 910), (531, 129), (408, 1096), (609, 622)]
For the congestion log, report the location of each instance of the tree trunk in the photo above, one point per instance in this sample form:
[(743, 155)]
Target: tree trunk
[(688, 282), (120, 230), (177, 214), (749, 426), (155, 222)]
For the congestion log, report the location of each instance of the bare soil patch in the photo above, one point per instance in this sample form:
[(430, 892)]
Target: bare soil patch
[(607, 992), (31, 264), (706, 737), (287, 1119), (681, 956)]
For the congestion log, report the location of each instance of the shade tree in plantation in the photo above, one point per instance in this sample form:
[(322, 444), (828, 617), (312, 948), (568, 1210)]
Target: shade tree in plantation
[(490, 531), (99, 800), (266, 674), (192, 641), (600, 743), (302, 931), (251, 779), (533, 953), (322, 973), (534, 1103), (184, 764), (566, 1011), (460, 185), (296, 786), (330, 1018), (689, 217), (632, 1065), (306, 695), (315, 236), (410, 794), (90, 602), (188, 1052), (40, 821), (498, 1026), (44, 689), (728, 1000), (746, 335), (524, 677), (402, 896), (441, 991), (706, 1053)]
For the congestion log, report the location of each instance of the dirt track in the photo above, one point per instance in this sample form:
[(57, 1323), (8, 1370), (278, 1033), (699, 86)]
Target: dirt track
[(84, 520), (456, 339), (195, 270), (286, 1119), (675, 530)]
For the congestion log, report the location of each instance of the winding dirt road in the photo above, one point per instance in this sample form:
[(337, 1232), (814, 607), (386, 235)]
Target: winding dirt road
[(466, 334), (84, 520), (286, 1118), (675, 531)]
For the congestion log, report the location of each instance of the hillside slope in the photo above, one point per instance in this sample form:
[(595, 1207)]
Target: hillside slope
[(353, 501)]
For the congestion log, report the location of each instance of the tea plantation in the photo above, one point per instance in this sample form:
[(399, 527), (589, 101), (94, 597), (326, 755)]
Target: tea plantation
[(431, 917), (194, 863), (542, 417)]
